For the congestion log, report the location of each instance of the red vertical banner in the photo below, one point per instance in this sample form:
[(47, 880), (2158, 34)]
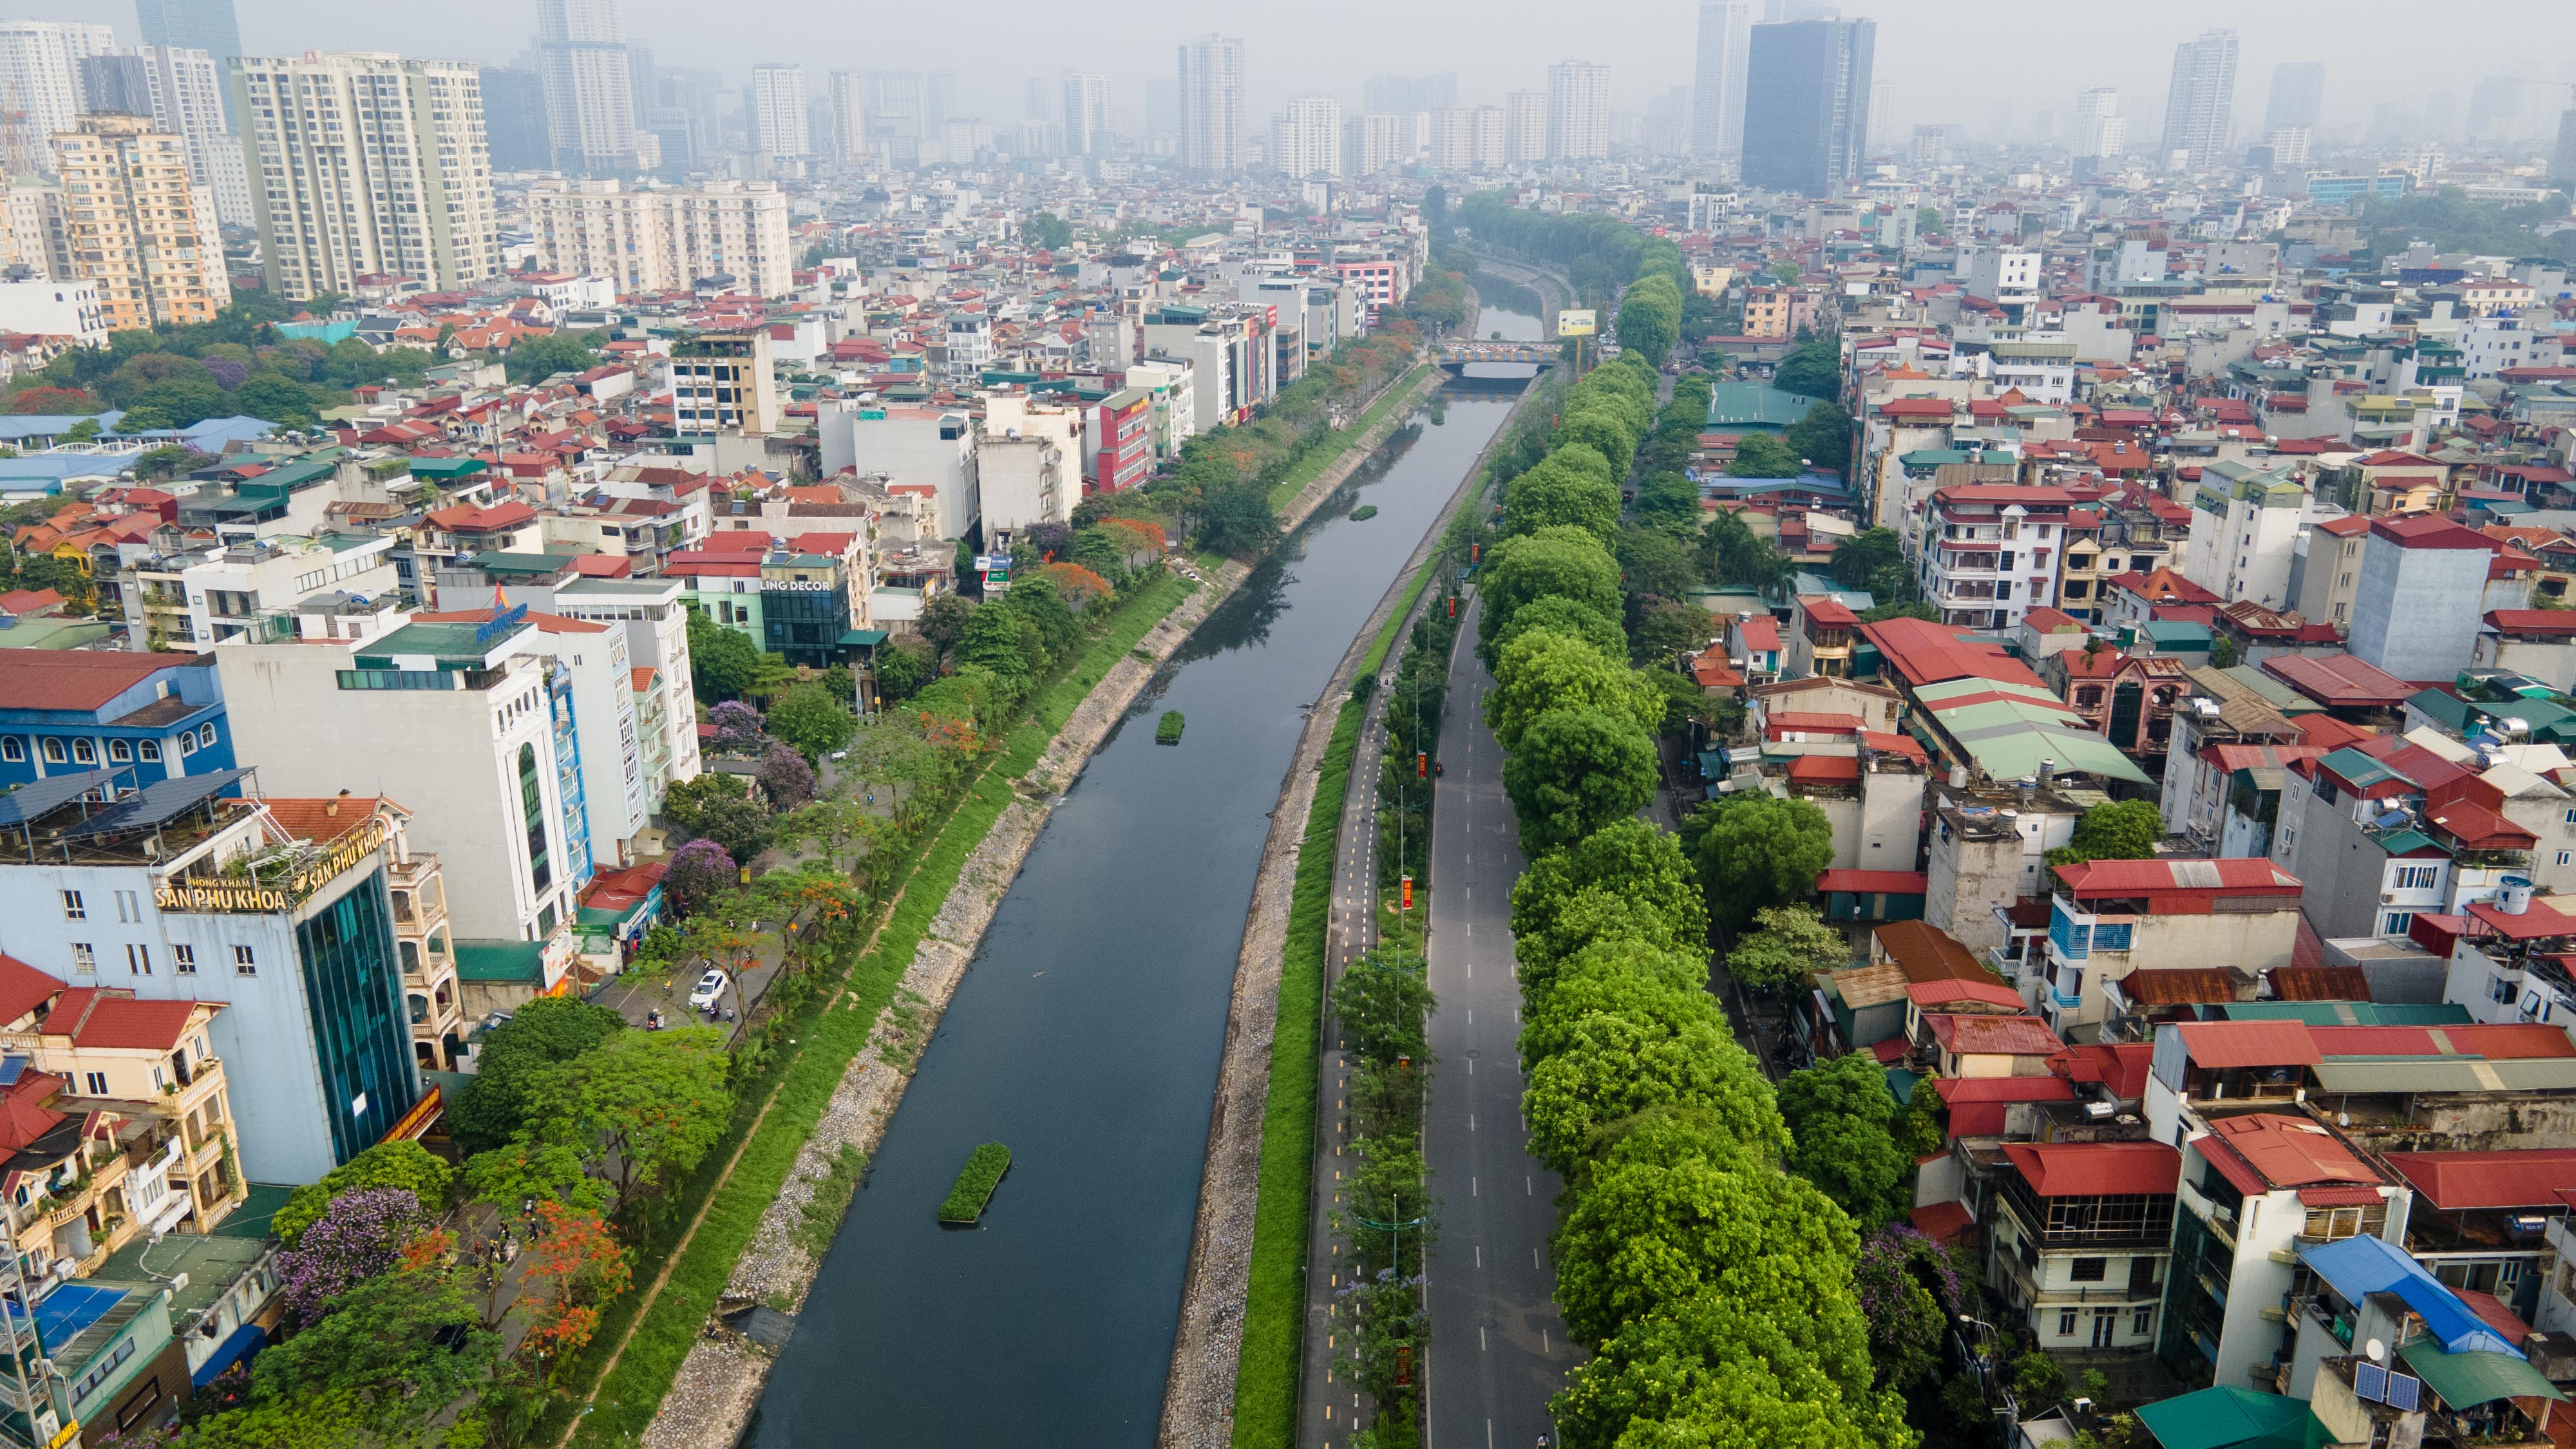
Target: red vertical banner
[(1421, 764), (1453, 606), (1408, 893)]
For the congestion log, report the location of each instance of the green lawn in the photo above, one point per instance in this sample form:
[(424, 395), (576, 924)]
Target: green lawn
[(825, 1044), (1274, 1311), (1312, 466)]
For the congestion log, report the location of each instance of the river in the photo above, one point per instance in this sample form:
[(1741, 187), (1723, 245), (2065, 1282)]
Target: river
[(1086, 1037)]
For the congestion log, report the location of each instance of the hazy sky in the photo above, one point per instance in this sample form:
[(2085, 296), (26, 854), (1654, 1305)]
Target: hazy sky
[(1947, 60)]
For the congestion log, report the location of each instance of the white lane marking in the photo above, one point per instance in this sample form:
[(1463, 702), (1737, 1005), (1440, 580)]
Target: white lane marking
[(1471, 1188), (1480, 1255), (1535, 1263)]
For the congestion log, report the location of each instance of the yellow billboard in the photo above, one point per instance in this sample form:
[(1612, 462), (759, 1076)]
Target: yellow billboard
[(1576, 323)]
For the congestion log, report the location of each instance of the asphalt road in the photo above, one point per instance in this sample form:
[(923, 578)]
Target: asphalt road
[(1498, 1345), (1328, 1405)]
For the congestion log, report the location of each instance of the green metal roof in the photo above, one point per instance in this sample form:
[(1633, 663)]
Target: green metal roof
[(1754, 406), (2233, 1418), (500, 960), (863, 638), (258, 1205), (2465, 1380), (521, 563), (446, 467), (2351, 1013)]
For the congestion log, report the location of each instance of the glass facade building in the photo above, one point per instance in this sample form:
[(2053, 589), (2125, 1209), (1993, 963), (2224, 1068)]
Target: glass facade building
[(353, 989)]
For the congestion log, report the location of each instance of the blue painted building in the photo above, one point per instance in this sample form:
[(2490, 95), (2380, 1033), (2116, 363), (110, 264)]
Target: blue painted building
[(63, 711)]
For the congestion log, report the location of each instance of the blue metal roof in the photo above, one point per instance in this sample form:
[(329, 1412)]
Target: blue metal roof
[(2359, 1266), (242, 1343)]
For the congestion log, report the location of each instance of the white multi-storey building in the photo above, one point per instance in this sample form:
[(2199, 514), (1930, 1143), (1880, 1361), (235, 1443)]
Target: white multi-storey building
[(1578, 111), (1717, 85), (849, 91), (1306, 138), (2201, 101), (1990, 552), (44, 307), (659, 240), (590, 83), (778, 110), (656, 625), (1212, 104), (368, 164), (1525, 127), (187, 91), (2246, 533), (41, 90), (1385, 142), (2101, 132), (1470, 138), (1086, 113)]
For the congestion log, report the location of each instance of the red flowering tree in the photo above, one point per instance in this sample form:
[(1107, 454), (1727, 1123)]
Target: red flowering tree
[(570, 1269), (50, 399)]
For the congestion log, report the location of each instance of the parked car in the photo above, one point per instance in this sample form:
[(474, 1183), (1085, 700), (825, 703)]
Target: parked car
[(710, 990)]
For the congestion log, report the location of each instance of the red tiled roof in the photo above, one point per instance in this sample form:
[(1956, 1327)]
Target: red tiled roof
[(1942, 1222), (2320, 983), (23, 988), (2266, 1150), (2020, 1036), (1938, 995), (2249, 1043), (2424, 530), (2179, 985), (1824, 770), (2235, 876), (72, 678), (1872, 882), (2560, 622), (2522, 1177), (321, 818), (107, 1019), (2121, 1067), (2339, 679), (2091, 1169)]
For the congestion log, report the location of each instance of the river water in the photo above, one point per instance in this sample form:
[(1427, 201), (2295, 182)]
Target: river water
[(1086, 1037)]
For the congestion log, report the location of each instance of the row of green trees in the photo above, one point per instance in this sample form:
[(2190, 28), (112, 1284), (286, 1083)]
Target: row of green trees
[(240, 365), (1712, 1286)]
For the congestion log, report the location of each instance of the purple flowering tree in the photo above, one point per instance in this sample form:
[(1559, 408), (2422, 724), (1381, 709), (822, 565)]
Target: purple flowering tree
[(1908, 1290), (228, 373), (786, 777), (738, 727), (699, 871), (359, 1236)]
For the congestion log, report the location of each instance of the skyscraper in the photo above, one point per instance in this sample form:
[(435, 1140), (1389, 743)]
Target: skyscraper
[(590, 83), (1525, 127), (1806, 104), (1411, 92), (2101, 132), (182, 90), (207, 25), (136, 231), (514, 120), (1306, 138), (2298, 96), (1212, 104), (849, 115), (1717, 88), (2198, 104), (1578, 111), (1469, 138), (41, 86), (779, 118), (420, 207), (2562, 162), (1086, 113)]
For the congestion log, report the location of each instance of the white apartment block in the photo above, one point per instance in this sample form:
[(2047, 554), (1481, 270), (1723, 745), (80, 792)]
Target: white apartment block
[(41, 91), (1306, 138), (658, 240), (1470, 138), (656, 624), (194, 601), (1524, 127), (1086, 113), (778, 110), (1578, 111), (1211, 74), (37, 239), (368, 163), (590, 82), (1385, 141), (849, 92), (188, 100), (48, 308)]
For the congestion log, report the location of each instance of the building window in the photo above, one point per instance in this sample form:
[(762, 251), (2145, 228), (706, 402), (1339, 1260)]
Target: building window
[(183, 960), (244, 962), (14, 750), (2396, 923), (2090, 1270), (2066, 1324), (84, 959), (206, 735), (73, 910), (149, 751), (2141, 1320), (138, 960), (2416, 878), (97, 1083), (54, 751), (84, 752), (120, 752), (187, 745)]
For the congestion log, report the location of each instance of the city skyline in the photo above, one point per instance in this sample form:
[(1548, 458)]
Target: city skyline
[(1286, 58)]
